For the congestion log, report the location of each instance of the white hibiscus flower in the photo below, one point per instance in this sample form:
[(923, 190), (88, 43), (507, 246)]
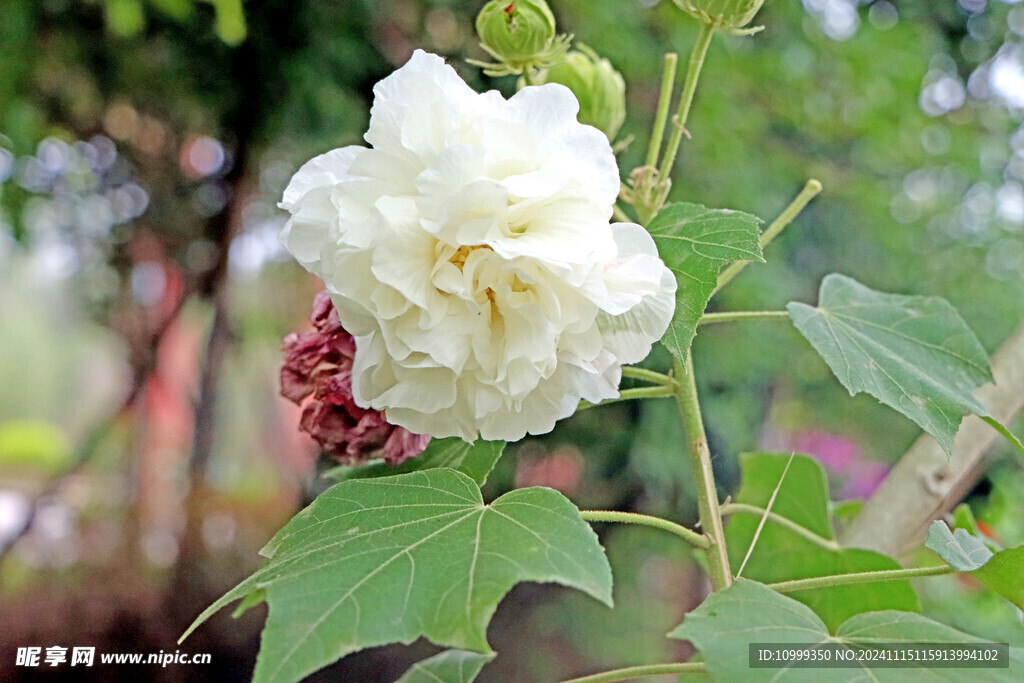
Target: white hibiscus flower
[(469, 251)]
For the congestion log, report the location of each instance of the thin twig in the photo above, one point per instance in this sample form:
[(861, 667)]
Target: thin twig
[(764, 517)]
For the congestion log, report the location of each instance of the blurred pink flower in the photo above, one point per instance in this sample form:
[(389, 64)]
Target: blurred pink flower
[(859, 475), (319, 363)]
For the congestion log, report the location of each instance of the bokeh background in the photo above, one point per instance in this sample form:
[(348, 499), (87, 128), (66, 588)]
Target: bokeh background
[(145, 455)]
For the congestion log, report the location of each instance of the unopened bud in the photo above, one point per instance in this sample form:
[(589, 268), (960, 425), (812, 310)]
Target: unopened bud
[(730, 15), (518, 33), (599, 88)]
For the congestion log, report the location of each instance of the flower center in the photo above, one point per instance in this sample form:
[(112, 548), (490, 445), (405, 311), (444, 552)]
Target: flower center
[(458, 259)]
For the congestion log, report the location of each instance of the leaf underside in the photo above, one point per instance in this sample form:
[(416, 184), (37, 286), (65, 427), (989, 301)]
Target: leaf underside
[(695, 242), (375, 561), (913, 353), (749, 612), (1002, 571), (959, 549)]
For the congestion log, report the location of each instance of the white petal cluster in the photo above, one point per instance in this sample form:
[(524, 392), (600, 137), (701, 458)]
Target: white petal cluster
[(469, 251)]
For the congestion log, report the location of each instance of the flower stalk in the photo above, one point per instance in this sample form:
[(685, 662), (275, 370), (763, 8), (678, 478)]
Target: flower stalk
[(810, 191), (646, 375), (734, 316), (707, 494), (860, 577), (693, 69), (668, 79), (658, 391), (691, 537)]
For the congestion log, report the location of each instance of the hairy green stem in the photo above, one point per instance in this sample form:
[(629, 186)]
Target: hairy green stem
[(668, 80), (860, 577), (647, 375), (802, 531), (631, 672), (707, 495), (811, 189), (733, 316), (660, 391), (700, 49), (691, 537)]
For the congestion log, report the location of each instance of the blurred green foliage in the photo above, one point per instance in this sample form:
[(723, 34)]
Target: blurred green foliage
[(33, 444)]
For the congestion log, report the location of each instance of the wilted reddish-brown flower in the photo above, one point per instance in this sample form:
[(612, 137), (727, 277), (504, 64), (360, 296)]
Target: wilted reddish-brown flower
[(319, 363)]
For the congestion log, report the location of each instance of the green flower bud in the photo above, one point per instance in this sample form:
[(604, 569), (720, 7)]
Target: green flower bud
[(518, 33), (598, 87), (730, 15)]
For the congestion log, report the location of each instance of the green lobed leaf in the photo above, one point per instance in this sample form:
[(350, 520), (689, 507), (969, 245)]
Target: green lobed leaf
[(723, 627), (473, 459), (375, 561), (803, 499), (695, 242), (446, 667), (1002, 571), (959, 549), (913, 353), (450, 666)]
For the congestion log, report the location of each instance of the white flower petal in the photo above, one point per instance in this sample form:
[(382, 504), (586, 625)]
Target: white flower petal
[(470, 253), (583, 151), (416, 108), (629, 335), (322, 171), (636, 273), (306, 232)]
